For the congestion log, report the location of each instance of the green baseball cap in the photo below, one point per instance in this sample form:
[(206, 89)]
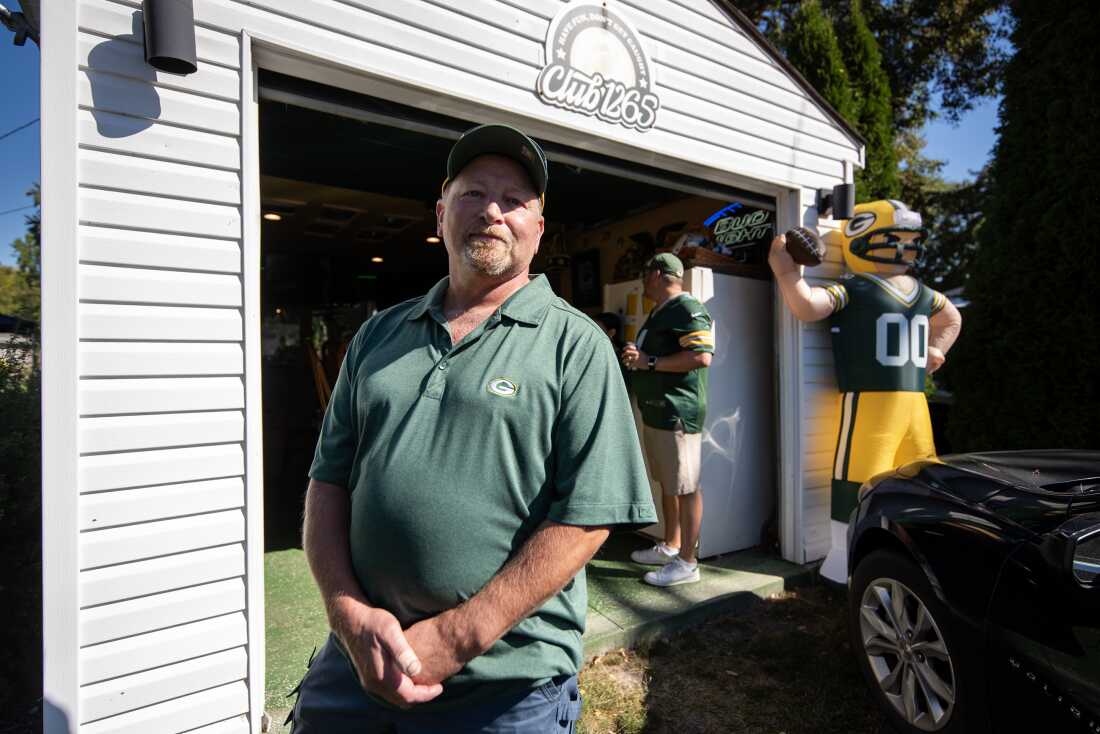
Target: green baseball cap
[(499, 140), (667, 263)]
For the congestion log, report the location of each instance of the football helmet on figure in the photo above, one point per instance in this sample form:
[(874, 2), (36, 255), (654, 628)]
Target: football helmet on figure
[(883, 237)]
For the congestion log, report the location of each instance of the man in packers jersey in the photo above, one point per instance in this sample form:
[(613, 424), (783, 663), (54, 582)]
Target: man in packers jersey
[(888, 331), (667, 374)]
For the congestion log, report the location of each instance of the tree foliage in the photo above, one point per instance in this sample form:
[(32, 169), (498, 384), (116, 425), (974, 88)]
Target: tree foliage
[(952, 213), (20, 488), (1025, 367), (870, 93), (810, 43), (955, 48), (20, 287)]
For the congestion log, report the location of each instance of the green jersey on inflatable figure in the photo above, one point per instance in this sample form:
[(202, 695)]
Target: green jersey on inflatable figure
[(888, 330)]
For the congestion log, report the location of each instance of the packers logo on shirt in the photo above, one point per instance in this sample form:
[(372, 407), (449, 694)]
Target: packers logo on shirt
[(503, 387)]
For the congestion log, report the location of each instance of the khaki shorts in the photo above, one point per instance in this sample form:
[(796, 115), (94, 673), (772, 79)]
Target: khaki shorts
[(673, 458)]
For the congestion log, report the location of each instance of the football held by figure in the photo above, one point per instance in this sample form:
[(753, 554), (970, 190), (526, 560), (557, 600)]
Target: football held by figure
[(888, 331)]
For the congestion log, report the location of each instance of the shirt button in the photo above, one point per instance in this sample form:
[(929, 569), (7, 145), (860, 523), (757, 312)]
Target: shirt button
[(443, 365)]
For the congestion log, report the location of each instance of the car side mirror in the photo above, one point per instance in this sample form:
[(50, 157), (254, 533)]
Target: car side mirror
[(1080, 539), (1086, 557)]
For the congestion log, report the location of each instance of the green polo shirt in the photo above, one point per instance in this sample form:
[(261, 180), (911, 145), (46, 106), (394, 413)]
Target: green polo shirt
[(455, 454), (671, 400)]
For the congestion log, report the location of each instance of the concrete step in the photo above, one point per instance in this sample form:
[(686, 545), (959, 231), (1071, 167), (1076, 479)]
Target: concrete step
[(624, 611)]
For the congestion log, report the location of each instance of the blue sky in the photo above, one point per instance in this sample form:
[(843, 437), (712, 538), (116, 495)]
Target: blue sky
[(965, 147), (19, 161)]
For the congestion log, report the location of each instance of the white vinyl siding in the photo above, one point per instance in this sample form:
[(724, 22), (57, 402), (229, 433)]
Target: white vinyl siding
[(162, 585), (163, 423)]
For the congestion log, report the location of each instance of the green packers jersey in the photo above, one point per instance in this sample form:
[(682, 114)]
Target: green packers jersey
[(880, 334), (671, 400)]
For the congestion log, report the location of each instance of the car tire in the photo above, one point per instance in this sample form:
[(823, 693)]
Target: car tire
[(911, 660)]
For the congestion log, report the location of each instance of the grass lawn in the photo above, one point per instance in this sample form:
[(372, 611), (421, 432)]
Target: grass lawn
[(295, 625), (782, 667)]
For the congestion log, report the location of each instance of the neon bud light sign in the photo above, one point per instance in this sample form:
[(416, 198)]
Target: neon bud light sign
[(596, 66)]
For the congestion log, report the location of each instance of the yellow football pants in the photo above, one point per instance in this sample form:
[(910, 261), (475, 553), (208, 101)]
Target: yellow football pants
[(879, 431)]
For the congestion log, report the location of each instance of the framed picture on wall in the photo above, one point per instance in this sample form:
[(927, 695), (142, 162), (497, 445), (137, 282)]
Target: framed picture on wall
[(586, 279)]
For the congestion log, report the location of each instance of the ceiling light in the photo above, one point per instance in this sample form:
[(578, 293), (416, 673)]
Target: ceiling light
[(272, 217), (433, 240), (376, 259)]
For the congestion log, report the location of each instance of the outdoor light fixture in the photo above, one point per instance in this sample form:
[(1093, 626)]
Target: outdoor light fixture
[(273, 217), (24, 25), (170, 35), (433, 240), (376, 259), (840, 203)]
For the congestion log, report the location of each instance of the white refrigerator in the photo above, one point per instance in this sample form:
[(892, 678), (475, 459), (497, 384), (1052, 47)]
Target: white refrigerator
[(738, 469)]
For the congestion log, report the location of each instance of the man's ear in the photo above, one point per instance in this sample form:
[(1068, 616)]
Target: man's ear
[(542, 230), (440, 207)]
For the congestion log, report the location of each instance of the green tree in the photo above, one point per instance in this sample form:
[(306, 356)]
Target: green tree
[(20, 488), (1026, 364), (870, 93), (11, 287), (810, 43), (955, 48), (952, 213), (21, 287)]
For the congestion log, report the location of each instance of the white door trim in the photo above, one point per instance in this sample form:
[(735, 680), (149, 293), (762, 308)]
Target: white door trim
[(253, 388), (788, 363), (60, 371)]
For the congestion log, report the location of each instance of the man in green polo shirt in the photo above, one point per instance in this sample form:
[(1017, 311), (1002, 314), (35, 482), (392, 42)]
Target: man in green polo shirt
[(476, 448), (668, 379)]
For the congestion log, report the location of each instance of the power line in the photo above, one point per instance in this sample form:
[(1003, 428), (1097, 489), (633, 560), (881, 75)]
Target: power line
[(11, 211), (21, 127)]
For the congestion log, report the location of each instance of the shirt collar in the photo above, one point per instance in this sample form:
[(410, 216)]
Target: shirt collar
[(678, 296), (527, 305), (433, 300)]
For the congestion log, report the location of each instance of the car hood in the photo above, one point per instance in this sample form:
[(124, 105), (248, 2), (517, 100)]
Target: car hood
[(1038, 490), (1053, 470)]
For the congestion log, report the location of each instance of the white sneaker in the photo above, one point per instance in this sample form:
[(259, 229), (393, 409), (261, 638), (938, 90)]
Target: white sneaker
[(678, 571), (658, 555)]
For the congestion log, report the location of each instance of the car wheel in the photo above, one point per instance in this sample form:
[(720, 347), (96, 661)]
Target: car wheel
[(902, 636)]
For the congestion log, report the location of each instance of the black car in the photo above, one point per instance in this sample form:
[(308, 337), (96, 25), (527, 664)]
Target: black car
[(974, 592)]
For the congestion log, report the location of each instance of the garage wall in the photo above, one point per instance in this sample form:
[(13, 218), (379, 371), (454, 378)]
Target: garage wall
[(162, 515), (157, 622)]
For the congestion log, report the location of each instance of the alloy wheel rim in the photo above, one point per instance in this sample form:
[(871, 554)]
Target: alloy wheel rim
[(907, 654)]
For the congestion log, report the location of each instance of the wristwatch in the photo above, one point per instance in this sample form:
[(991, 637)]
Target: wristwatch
[(652, 363)]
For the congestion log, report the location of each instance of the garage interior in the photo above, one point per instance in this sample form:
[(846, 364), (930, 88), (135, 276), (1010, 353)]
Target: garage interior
[(349, 185)]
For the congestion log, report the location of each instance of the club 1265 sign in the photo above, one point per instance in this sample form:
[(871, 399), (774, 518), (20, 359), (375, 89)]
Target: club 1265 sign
[(595, 65)]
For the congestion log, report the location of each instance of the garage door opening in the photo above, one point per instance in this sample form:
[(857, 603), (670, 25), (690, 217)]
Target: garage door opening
[(348, 191)]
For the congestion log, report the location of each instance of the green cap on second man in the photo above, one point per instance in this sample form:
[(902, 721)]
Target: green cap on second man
[(667, 263)]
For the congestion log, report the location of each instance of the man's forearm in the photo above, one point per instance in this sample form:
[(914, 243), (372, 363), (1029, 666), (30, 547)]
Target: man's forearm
[(328, 550), (547, 561), (684, 361)]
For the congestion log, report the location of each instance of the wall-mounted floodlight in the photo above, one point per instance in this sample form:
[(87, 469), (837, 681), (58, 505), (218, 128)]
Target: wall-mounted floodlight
[(170, 35), (24, 25), (840, 203)]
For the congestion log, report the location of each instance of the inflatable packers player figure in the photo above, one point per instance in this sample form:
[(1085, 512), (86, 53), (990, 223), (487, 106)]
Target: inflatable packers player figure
[(888, 330)]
